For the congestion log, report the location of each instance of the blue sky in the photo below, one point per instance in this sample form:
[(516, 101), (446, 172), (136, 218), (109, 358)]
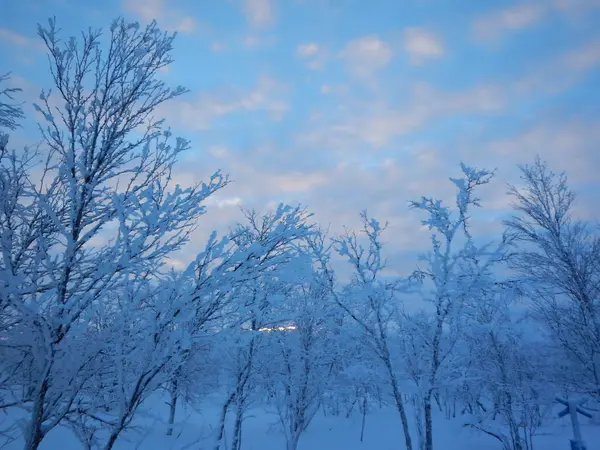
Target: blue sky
[(347, 104)]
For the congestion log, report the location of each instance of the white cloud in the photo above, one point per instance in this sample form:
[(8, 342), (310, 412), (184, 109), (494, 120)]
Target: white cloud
[(218, 151), (327, 89), (313, 54), (566, 146), (584, 57), (513, 18), (527, 14), (187, 25), (421, 45), (310, 49), (231, 201), (260, 13), (298, 182), (218, 46), (13, 38), (366, 55), (575, 5), (253, 40), (146, 9), (166, 17), (197, 114), (561, 72), (374, 123), (17, 39)]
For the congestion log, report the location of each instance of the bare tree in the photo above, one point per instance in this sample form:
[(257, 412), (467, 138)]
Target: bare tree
[(559, 257)]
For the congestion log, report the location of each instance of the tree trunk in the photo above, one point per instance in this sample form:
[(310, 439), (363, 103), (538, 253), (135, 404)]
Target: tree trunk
[(172, 409), (428, 422), (222, 422), (292, 442), (35, 433), (237, 428), (364, 419), (454, 407), (112, 439), (439, 403), (399, 404)]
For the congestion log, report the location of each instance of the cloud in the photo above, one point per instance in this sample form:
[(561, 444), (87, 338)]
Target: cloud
[(375, 123), (307, 50), (566, 145), (166, 17), (525, 15), (327, 89), (336, 194), (14, 38), (19, 40), (584, 57), (260, 13), (218, 151), (513, 18), (366, 55), (223, 202), (298, 182), (198, 113), (422, 45), (575, 5), (561, 72), (313, 54), (254, 40), (218, 46), (187, 25), (354, 123)]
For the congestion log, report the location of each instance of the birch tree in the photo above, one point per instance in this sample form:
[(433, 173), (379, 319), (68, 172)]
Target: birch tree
[(271, 242), (559, 258), (103, 212), (297, 358), (370, 300), (508, 372), (455, 275)]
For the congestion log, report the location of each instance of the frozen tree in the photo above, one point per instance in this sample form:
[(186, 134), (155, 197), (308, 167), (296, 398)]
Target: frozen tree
[(507, 371), (14, 184), (455, 274), (370, 299), (100, 219), (298, 358), (271, 244), (10, 113), (559, 258)]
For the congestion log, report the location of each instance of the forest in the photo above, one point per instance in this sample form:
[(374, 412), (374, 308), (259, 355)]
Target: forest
[(104, 342)]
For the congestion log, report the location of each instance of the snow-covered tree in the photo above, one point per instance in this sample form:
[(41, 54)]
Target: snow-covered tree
[(455, 273), (270, 243), (558, 257), (10, 113), (298, 357), (508, 372), (99, 217), (370, 299)]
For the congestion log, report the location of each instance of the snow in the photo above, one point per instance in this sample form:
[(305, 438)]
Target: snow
[(261, 432)]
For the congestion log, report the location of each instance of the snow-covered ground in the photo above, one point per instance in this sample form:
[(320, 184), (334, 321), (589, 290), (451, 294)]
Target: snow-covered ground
[(261, 432)]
